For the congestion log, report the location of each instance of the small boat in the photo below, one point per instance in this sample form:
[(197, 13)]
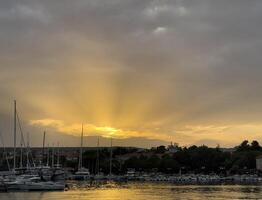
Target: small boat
[(81, 174), (33, 183)]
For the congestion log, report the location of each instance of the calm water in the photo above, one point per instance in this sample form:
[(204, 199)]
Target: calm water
[(141, 191)]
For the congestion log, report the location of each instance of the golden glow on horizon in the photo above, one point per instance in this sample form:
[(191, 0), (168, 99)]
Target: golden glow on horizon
[(111, 131), (227, 134), (92, 130)]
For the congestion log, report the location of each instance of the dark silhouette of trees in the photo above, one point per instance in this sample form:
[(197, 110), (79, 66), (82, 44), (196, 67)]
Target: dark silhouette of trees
[(200, 159), (255, 146), (161, 149), (193, 159)]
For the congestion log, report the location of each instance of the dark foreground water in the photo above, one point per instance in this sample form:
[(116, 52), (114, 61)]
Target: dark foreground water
[(142, 191)]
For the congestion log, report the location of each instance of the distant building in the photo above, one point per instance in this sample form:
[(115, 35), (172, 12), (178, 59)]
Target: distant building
[(172, 148), (228, 150), (259, 163)]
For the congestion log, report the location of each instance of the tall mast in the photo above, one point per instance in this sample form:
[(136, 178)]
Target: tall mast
[(111, 154), (43, 149), (21, 154), (14, 165), (53, 155), (58, 154), (81, 149), (27, 152), (48, 156)]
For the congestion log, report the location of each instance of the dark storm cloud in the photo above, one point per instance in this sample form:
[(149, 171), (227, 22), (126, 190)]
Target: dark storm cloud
[(193, 62)]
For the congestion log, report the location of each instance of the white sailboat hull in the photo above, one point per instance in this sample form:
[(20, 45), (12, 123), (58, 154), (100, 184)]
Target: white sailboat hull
[(41, 186)]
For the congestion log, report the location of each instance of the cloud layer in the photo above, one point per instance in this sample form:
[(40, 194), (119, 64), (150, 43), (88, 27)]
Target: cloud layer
[(169, 70)]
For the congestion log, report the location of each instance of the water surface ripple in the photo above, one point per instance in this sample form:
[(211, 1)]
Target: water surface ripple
[(141, 191)]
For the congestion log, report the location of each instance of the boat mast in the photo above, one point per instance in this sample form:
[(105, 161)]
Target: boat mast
[(53, 155), (43, 149), (80, 164), (58, 155), (111, 154), (14, 164), (48, 156), (27, 152), (21, 154)]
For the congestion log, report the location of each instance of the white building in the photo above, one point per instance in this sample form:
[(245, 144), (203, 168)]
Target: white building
[(173, 147)]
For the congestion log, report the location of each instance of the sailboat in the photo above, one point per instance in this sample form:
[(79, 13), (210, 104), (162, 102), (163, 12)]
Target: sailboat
[(98, 175), (82, 173), (110, 175)]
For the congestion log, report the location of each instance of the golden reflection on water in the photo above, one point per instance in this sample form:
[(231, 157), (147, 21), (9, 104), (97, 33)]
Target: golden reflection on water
[(142, 191)]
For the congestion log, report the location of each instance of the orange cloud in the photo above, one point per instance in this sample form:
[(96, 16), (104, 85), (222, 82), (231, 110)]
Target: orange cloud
[(90, 130)]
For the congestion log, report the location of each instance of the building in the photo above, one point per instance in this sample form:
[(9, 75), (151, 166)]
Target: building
[(172, 148)]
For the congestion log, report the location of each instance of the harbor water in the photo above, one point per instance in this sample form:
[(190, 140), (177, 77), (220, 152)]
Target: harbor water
[(141, 191)]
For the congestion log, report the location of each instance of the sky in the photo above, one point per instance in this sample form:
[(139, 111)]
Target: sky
[(142, 72)]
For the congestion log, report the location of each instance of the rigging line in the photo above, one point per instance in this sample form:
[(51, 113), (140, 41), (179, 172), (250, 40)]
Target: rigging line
[(22, 141), (22, 137), (21, 131)]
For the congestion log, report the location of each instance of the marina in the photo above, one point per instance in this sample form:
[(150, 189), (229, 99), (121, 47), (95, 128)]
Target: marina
[(36, 183), (44, 174)]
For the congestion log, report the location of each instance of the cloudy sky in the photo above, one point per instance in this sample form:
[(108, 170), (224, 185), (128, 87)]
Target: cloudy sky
[(143, 72)]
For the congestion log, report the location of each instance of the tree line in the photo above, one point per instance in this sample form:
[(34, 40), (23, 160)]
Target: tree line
[(201, 159), (193, 159)]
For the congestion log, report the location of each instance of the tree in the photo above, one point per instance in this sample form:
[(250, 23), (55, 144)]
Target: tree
[(244, 146), (161, 149), (255, 145)]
